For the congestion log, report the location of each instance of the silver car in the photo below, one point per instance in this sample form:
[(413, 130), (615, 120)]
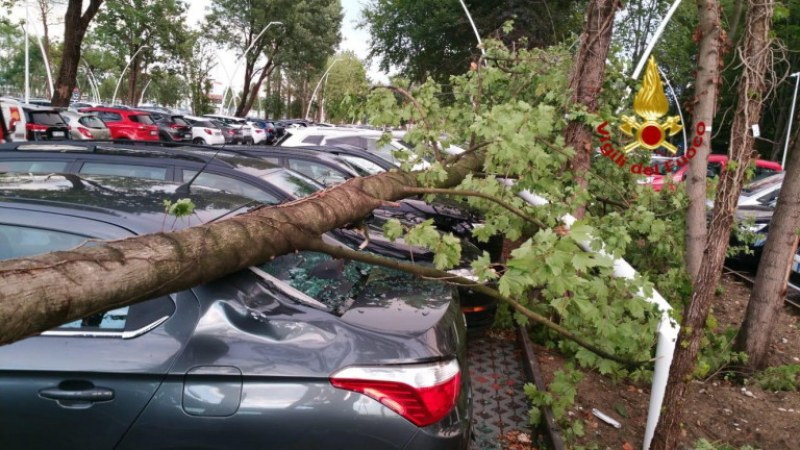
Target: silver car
[(85, 126)]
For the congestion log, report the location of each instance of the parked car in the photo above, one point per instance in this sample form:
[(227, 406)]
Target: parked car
[(269, 127), (238, 123), (256, 358), (172, 127), (43, 123), (128, 124), (233, 173), (716, 163), (85, 126), (205, 132), (12, 120), (762, 192)]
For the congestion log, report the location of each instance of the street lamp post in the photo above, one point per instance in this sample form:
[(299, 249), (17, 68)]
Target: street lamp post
[(474, 28), (240, 61), (796, 75), (116, 89), (314, 94)]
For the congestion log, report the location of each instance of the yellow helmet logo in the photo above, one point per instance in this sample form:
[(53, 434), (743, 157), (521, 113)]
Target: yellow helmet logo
[(650, 104)]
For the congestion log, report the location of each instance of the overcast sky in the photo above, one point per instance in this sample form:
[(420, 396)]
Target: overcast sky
[(352, 38)]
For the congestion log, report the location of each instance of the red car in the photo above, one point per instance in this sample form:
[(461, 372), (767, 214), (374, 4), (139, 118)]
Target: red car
[(715, 165), (127, 123)]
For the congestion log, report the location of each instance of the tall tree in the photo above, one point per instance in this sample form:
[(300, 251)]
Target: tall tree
[(706, 90), (586, 81), (198, 69), (308, 35), (76, 23), (434, 38), (755, 55), (769, 288), (142, 32), (345, 85)]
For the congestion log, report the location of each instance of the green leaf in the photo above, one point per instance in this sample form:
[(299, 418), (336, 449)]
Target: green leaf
[(393, 229)]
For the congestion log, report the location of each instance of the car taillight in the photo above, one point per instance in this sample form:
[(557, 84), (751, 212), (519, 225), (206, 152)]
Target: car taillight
[(175, 126), (208, 132), (85, 132), (231, 132), (422, 393), (35, 127)]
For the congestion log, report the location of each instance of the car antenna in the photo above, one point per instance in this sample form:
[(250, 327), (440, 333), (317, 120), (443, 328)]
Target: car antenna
[(232, 210), (185, 187)]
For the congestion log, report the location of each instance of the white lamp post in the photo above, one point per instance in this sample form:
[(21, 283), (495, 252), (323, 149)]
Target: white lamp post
[(241, 61), (474, 28), (114, 97), (314, 94), (796, 75)]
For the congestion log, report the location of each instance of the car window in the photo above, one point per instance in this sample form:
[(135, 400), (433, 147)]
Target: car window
[(713, 169), (230, 185), (47, 118), (313, 140), (317, 172), (141, 118), (181, 121), (33, 166), (295, 185), (92, 122), (363, 166), (124, 170), (108, 116), (355, 141)]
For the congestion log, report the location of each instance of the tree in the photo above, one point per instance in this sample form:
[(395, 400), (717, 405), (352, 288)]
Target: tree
[(754, 52), (198, 68), (586, 80), (769, 288), (76, 23), (143, 32), (345, 86), (705, 103), (433, 38), (309, 34)]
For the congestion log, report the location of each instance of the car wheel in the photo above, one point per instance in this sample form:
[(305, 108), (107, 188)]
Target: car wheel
[(248, 141), (163, 137), (198, 141)]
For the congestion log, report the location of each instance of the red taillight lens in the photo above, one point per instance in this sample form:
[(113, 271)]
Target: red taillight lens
[(422, 393), (35, 127), (208, 132), (85, 132), (175, 126), (231, 132)]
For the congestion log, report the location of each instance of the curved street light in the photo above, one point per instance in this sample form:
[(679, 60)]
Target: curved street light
[(314, 94), (240, 61), (114, 97)]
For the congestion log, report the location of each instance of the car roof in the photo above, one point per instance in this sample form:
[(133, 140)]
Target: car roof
[(131, 203)]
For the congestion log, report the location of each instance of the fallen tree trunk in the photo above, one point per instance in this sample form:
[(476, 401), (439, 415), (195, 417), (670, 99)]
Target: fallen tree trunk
[(45, 291)]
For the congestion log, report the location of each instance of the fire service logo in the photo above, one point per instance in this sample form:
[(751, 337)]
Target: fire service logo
[(650, 104)]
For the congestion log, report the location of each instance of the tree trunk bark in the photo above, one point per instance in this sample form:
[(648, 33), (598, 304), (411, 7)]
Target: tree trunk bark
[(707, 83), (252, 96), (41, 292), (586, 81), (75, 26), (769, 288), (755, 53)]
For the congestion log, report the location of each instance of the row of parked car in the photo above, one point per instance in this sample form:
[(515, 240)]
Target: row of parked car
[(301, 352), (29, 122)]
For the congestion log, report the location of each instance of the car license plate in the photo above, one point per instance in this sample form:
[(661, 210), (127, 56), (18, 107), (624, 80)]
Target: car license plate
[(187, 136), (154, 133), (58, 134)]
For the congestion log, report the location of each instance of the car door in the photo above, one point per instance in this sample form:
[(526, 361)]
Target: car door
[(81, 385)]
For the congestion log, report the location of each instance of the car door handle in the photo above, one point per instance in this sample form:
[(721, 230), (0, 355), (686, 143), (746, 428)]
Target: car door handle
[(98, 394)]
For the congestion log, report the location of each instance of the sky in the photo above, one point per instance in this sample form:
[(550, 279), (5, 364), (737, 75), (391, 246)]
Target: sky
[(352, 39)]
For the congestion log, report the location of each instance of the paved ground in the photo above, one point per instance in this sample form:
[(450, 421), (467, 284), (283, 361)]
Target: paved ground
[(497, 378)]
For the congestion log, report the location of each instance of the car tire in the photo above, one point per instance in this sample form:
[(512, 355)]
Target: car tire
[(198, 141), (248, 141)]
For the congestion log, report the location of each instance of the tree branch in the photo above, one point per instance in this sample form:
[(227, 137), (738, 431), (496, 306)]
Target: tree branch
[(436, 152), (518, 212), (432, 273)]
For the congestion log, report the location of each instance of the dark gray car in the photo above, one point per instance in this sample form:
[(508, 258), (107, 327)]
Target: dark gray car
[(304, 352)]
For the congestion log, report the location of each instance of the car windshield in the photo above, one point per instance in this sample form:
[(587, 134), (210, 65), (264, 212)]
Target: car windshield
[(47, 118), (362, 166), (205, 124), (761, 185), (141, 118), (292, 183)]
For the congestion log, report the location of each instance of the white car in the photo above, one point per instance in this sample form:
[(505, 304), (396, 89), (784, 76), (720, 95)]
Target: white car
[(762, 192), (235, 122), (204, 132), (259, 134)]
